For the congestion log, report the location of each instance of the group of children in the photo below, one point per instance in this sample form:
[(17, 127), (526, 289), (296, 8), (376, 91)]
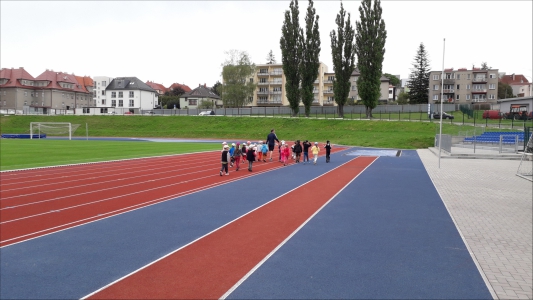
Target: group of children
[(258, 152)]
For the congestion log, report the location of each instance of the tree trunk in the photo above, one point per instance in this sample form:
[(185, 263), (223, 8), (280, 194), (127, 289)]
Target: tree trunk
[(369, 112), (341, 111)]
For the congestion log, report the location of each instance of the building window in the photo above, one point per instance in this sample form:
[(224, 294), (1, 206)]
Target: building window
[(131, 94), (390, 92), (435, 97), (193, 101), (262, 80), (468, 86), (104, 83), (4, 102), (467, 76), (491, 96), (458, 76), (63, 104), (103, 92), (113, 94), (131, 102), (120, 94), (63, 95), (120, 103), (354, 88), (492, 86), (435, 87), (25, 94), (263, 71), (457, 97), (251, 80), (277, 89), (468, 97), (435, 77), (103, 101), (113, 103), (458, 86), (492, 75)]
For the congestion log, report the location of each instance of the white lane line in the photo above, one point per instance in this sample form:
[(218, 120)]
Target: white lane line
[(209, 233), (102, 162), (290, 236)]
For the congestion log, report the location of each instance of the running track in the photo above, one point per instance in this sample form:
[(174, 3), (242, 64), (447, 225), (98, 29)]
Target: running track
[(203, 243)]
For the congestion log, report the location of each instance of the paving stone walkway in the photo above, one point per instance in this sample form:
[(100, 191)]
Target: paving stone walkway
[(492, 208)]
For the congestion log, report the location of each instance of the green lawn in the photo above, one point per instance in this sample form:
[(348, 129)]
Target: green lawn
[(367, 133)]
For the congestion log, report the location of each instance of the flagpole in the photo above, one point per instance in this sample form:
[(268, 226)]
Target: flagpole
[(441, 96)]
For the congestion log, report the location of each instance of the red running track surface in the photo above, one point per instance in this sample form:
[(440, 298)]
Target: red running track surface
[(212, 265), (37, 202)]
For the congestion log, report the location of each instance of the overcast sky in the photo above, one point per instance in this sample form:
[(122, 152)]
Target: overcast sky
[(185, 41)]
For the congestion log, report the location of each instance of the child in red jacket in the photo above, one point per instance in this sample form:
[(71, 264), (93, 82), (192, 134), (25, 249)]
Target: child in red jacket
[(285, 153)]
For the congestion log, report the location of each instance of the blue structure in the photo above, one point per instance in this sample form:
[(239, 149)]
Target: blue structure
[(494, 137), (22, 136)]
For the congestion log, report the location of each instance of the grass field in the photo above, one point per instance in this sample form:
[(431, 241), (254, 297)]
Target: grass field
[(20, 154), (375, 133)]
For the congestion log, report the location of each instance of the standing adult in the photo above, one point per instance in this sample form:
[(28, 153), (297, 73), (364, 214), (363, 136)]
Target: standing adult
[(271, 141)]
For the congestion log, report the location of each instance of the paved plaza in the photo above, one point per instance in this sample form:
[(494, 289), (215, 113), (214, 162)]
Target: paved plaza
[(492, 208)]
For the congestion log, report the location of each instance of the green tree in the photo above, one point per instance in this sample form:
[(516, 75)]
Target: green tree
[(270, 58), (291, 55), (343, 54), (237, 88), (170, 101), (370, 49), (392, 79), (206, 104), (485, 66), (419, 77), (403, 98), (310, 57), (216, 88), (505, 91)]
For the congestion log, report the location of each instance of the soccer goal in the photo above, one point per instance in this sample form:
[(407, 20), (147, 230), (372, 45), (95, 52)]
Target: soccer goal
[(525, 169), (53, 128)]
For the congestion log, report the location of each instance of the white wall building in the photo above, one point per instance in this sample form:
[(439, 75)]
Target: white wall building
[(129, 94), (100, 84)]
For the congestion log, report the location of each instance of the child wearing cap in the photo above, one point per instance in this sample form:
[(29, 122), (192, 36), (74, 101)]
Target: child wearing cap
[(237, 157), (231, 150), (328, 150), (315, 151), (225, 160), (250, 156), (264, 149), (224, 145), (285, 153), (259, 151)]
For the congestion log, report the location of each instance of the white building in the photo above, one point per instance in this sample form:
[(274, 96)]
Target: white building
[(129, 94), (100, 84)]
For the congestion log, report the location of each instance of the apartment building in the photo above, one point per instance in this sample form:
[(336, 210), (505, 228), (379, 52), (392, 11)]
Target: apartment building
[(383, 88), (129, 93), (21, 92), (99, 95), (464, 86)]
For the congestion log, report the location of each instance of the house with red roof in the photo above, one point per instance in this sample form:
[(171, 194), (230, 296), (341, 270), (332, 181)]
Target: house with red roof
[(159, 88), (184, 87), (202, 93), (21, 92), (519, 83)]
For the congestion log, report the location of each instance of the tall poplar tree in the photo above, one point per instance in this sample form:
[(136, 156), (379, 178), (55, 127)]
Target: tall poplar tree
[(419, 77), (343, 54), (291, 55), (310, 57), (370, 49)]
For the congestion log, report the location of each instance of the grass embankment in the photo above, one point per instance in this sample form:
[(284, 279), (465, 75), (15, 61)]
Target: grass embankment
[(404, 135)]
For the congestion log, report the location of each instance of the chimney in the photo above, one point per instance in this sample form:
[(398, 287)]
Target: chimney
[(513, 76), (21, 68), (204, 84)]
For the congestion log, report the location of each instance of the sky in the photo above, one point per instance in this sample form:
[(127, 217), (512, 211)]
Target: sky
[(186, 41)]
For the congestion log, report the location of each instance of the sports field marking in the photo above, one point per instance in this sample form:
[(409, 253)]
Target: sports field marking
[(289, 237), (195, 275), (131, 208)]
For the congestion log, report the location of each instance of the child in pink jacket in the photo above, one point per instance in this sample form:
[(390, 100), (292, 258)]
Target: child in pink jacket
[(285, 154)]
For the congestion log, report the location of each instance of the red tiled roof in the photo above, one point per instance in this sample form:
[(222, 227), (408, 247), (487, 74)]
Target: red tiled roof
[(13, 76), (518, 79), (462, 69), (183, 86), (157, 86)]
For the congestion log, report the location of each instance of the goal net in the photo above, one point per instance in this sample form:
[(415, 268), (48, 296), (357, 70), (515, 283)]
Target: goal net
[(525, 169), (53, 128)]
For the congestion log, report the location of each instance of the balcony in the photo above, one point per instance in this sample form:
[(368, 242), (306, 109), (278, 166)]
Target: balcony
[(328, 81), (315, 91), (262, 92), (328, 92), (448, 91), (269, 102), (317, 81), (262, 74), (276, 82), (276, 73), (275, 93), (262, 83), (479, 100), (479, 91), (480, 79), (449, 81), (329, 103)]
